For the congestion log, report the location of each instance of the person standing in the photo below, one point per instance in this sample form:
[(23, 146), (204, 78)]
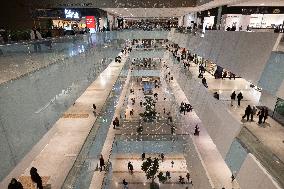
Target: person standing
[(260, 115), (253, 112), (102, 163), (143, 156), (125, 184), (240, 97), (35, 36), (94, 107), (162, 156), (248, 112), (224, 75), (196, 131), (265, 114), (36, 178), (233, 98)]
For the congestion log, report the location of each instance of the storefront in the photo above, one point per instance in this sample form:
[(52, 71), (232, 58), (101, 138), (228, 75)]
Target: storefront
[(77, 20), (243, 18), (67, 24), (241, 22)]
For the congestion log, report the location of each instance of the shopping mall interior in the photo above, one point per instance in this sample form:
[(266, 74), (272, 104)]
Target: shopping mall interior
[(163, 94)]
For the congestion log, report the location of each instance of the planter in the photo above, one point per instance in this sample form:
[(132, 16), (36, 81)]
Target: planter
[(154, 185)]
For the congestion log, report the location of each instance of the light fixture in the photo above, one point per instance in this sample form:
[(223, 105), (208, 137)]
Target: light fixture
[(262, 4)]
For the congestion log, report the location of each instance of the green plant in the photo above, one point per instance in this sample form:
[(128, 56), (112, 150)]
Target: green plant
[(150, 112), (151, 167), (161, 177), (139, 129), (20, 35)]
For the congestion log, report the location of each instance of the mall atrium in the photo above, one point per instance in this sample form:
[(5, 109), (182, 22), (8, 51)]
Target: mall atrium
[(142, 94)]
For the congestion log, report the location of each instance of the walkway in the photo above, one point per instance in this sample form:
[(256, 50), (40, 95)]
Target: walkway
[(129, 144), (59, 154), (217, 169)]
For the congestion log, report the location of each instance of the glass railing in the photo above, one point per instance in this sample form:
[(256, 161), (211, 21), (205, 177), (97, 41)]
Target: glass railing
[(82, 171), (18, 59), (47, 45), (213, 113), (280, 46)]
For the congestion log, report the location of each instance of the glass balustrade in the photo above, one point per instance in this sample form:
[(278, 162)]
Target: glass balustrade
[(81, 173)]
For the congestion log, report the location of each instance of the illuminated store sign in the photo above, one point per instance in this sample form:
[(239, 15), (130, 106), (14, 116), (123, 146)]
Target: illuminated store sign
[(71, 14), (90, 22)]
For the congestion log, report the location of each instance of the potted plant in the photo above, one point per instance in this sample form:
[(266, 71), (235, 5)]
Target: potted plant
[(150, 112), (151, 167)]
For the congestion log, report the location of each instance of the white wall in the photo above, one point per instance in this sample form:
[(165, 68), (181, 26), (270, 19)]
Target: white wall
[(252, 175), (244, 53)]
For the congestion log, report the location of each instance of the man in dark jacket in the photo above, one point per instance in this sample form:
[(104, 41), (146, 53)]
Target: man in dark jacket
[(233, 98), (248, 111), (240, 97), (36, 178)]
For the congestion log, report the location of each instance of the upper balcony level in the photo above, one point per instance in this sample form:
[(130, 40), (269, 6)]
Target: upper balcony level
[(18, 59)]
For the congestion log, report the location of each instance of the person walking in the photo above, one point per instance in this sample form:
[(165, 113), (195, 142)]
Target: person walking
[(265, 114), (233, 177), (248, 112), (125, 184), (187, 177), (233, 97), (240, 97), (196, 131), (36, 178), (102, 163), (115, 122), (204, 82), (168, 175), (130, 167), (143, 156)]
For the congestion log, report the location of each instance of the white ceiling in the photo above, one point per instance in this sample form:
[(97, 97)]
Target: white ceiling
[(270, 3), (149, 12), (180, 11)]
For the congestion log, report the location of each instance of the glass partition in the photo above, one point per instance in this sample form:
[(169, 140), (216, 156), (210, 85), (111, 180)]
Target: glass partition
[(81, 173)]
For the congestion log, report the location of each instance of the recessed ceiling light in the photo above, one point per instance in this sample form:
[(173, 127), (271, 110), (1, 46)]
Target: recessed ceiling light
[(262, 4), (125, 8)]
